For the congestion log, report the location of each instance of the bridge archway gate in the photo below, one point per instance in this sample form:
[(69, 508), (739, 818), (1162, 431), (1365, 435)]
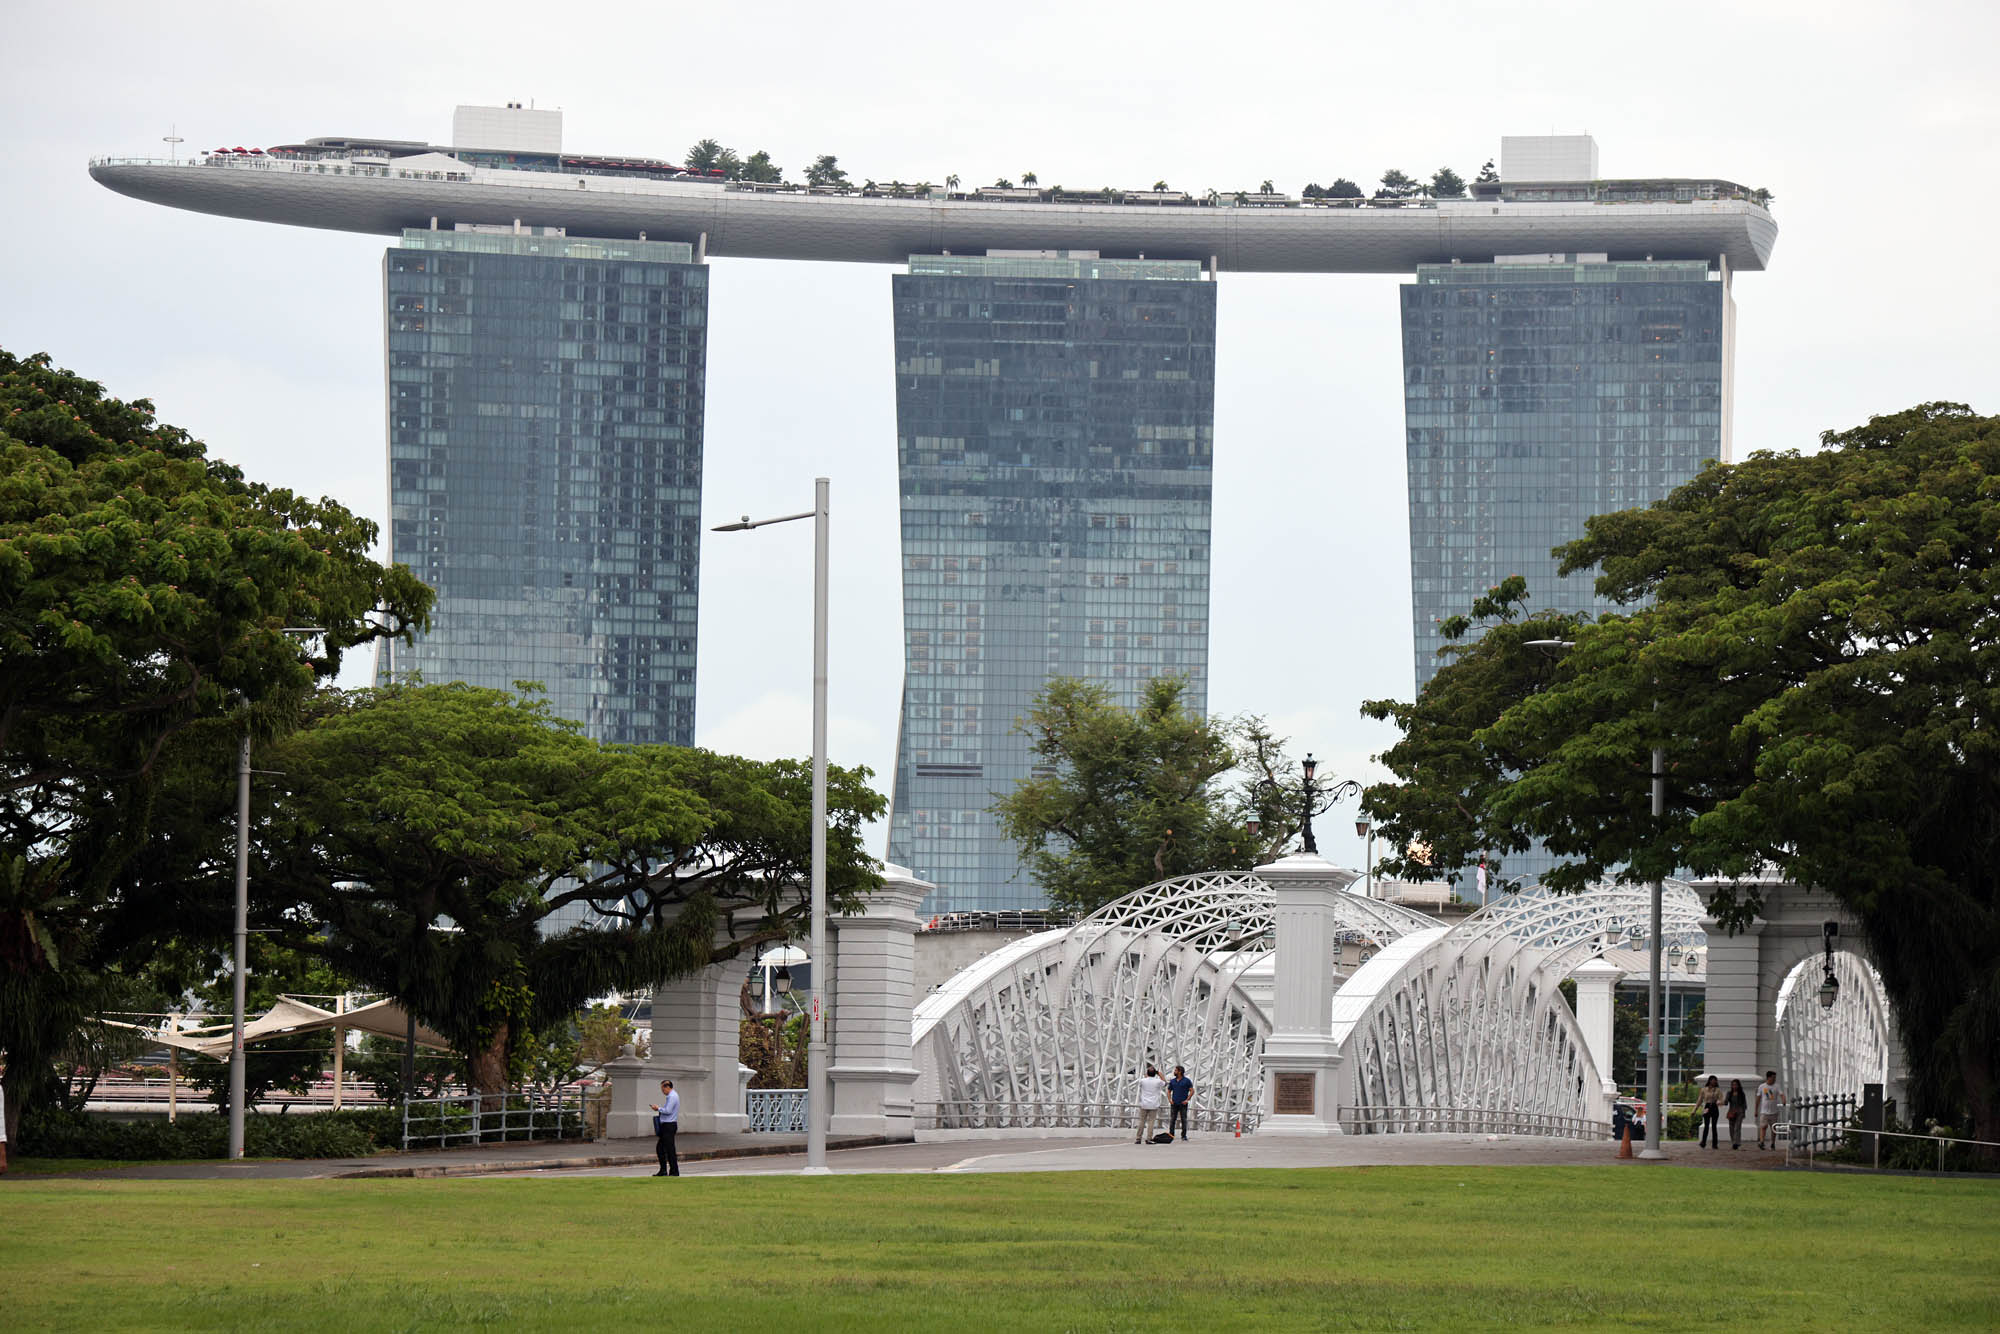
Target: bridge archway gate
[(1762, 1009)]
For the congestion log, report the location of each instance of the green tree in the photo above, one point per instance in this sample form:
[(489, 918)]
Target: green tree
[(759, 168), (420, 836), (1124, 797), (705, 153), (1447, 184), (144, 591), (1029, 178), (1342, 188), (1487, 176), (1396, 186), (825, 170), (1812, 642)]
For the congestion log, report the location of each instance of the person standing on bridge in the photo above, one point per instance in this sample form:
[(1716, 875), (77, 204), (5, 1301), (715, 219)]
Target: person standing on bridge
[(1149, 1104), (1180, 1089)]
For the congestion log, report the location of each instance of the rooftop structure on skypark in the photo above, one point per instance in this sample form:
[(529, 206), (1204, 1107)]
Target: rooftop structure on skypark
[(508, 167)]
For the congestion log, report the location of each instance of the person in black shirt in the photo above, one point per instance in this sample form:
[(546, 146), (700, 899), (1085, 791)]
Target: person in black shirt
[(1179, 1089)]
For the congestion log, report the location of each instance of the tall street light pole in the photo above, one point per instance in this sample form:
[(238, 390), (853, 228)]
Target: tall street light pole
[(242, 945), (242, 933), (818, 1106), (1656, 1038)]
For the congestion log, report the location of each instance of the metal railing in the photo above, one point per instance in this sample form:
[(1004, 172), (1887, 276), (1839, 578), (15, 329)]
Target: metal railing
[(1817, 1123), (1467, 1121), (1811, 1145), (776, 1111), (486, 1118), (1122, 1116)]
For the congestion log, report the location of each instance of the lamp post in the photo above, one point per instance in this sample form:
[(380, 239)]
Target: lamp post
[(1829, 987), (1655, 1020), (1310, 805), (818, 1108), (242, 932), (1366, 829)]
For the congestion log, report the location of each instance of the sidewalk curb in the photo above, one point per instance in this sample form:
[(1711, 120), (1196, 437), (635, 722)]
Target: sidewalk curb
[(603, 1160)]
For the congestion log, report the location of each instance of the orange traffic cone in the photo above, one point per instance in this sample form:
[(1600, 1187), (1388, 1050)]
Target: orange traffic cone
[(1625, 1145), (1239, 1127)]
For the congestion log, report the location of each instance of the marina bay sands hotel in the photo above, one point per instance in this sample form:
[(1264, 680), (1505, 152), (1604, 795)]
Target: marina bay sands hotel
[(1567, 351)]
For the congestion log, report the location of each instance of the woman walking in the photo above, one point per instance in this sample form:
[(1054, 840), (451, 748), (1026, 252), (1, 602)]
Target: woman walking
[(1738, 1102), (1709, 1105)]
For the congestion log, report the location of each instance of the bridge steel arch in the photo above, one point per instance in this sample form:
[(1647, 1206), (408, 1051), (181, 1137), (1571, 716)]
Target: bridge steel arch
[(1833, 1051), (1052, 1029), (1470, 1019)]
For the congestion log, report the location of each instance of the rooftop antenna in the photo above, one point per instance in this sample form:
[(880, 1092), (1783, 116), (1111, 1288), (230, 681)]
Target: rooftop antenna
[(173, 141)]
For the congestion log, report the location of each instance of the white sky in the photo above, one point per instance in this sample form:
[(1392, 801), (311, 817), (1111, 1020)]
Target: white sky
[(1874, 124)]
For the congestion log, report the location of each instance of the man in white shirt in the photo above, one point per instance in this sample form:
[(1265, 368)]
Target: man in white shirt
[(666, 1124), (1769, 1099), (1150, 1088)]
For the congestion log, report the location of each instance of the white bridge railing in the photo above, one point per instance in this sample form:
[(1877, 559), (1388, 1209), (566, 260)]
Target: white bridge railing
[(776, 1111), (1122, 1116), (1467, 1121)]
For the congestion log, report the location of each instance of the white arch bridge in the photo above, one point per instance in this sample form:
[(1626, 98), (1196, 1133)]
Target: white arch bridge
[(1438, 1028)]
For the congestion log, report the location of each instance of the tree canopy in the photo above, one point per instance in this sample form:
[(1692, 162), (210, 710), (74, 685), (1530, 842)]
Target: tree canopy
[(825, 170), (420, 837), (144, 594), (1814, 639), (1125, 797), (1447, 184)]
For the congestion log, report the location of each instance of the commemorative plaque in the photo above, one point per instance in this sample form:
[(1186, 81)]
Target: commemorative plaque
[(1293, 1095)]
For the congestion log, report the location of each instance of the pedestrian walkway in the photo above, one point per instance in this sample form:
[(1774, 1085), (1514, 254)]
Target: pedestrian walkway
[(742, 1155), (480, 1159)]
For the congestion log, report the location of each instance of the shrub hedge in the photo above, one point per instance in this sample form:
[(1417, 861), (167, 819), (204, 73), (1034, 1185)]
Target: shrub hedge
[(49, 1133)]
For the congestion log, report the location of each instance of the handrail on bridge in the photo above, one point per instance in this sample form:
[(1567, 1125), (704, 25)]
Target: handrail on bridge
[(1467, 1120), (988, 1114)]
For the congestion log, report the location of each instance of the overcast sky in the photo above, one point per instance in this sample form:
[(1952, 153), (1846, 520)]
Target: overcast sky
[(1873, 124)]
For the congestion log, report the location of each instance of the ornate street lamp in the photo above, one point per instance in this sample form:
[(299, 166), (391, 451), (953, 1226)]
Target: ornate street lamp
[(1829, 987), (1315, 800)]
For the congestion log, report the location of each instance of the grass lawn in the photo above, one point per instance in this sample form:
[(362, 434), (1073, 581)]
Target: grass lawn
[(1357, 1248)]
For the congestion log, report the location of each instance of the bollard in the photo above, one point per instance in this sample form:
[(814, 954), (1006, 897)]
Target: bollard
[(1625, 1144)]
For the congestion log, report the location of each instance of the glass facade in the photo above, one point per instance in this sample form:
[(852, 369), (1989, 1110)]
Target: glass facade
[(1055, 438), (1537, 395), (545, 449)]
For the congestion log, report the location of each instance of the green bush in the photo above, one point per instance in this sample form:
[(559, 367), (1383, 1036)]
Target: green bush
[(49, 1133)]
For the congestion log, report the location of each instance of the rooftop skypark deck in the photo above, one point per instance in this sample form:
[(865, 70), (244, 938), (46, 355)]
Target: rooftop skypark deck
[(386, 187)]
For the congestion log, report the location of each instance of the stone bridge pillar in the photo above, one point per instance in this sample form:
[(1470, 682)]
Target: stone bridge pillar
[(1746, 971), (874, 997), (1300, 1057), (1596, 985), (696, 1038)]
